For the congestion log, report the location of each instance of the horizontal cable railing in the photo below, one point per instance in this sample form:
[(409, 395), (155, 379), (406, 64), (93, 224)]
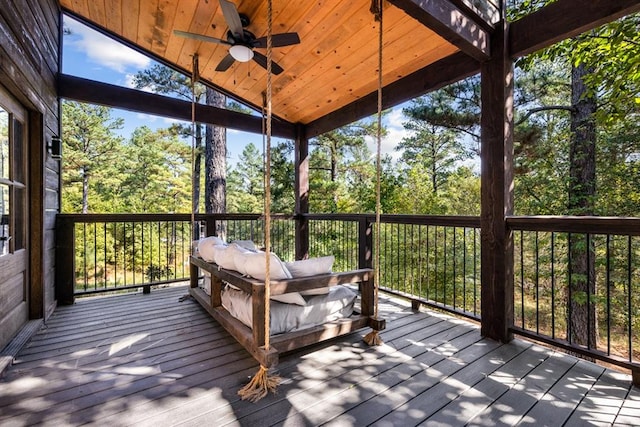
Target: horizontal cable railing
[(577, 285)]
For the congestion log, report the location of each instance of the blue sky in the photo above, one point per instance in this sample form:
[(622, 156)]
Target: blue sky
[(91, 55)]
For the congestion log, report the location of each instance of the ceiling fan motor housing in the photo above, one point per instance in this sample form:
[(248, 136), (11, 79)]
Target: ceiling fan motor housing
[(247, 38)]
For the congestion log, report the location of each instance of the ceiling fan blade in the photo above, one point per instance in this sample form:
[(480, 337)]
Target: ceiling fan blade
[(278, 40), (261, 60), (199, 37), (232, 17), (226, 62)]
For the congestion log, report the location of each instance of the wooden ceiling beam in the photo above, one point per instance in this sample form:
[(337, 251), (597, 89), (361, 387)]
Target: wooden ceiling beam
[(79, 89), (451, 23), (564, 19), (439, 74)]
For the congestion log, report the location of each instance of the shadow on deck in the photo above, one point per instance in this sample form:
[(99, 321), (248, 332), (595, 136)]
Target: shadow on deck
[(151, 360)]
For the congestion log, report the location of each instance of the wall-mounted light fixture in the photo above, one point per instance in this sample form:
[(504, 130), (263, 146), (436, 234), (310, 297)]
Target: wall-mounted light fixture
[(55, 147)]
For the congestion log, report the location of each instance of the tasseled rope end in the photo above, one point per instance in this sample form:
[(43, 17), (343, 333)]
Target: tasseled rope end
[(260, 385), (373, 338)]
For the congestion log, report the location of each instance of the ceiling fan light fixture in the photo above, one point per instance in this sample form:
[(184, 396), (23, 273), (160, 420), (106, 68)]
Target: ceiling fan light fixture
[(241, 53)]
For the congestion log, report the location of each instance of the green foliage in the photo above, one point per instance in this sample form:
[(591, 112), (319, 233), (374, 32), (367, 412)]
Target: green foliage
[(90, 149), (156, 171), (338, 159), (161, 79), (282, 178), (245, 182)]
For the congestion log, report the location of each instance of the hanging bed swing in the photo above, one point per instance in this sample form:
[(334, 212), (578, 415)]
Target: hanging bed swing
[(250, 319)]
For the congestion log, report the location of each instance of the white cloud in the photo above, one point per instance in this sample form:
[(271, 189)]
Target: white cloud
[(102, 50), (146, 117), (395, 133)]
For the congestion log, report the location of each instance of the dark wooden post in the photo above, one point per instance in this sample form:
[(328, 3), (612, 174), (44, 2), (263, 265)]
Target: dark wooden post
[(65, 261), (497, 189), (37, 245), (365, 242), (211, 226), (301, 189), (258, 313)]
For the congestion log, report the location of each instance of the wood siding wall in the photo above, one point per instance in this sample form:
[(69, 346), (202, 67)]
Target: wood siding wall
[(29, 63)]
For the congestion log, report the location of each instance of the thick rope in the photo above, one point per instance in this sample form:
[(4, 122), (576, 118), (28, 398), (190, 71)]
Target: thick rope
[(262, 383), (195, 75), (267, 183), (373, 338)]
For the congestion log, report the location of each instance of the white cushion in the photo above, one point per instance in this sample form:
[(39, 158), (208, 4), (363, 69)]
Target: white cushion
[(205, 247), (255, 266), (225, 258), (290, 298), (246, 244), (218, 252), (236, 253), (316, 291), (222, 256), (311, 266)]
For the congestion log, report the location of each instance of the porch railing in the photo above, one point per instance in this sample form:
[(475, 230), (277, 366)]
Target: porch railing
[(433, 260), (577, 285), (430, 259), (99, 253)]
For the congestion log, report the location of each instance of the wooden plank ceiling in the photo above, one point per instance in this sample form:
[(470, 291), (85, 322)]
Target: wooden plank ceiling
[(334, 65)]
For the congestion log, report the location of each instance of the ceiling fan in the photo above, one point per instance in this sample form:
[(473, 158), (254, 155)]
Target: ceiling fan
[(241, 41)]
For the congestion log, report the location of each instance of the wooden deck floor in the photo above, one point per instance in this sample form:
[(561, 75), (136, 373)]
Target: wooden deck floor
[(150, 360)]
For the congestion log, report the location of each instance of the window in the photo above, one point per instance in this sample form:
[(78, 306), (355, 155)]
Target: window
[(12, 176)]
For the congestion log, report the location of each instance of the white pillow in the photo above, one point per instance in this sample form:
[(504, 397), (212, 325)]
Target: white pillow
[(255, 266), (311, 266), (246, 244), (222, 259), (205, 247), (236, 253), (225, 259), (218, 252), (290, 298), (316, 291)]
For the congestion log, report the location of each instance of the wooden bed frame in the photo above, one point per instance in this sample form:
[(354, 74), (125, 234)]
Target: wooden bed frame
[(253, 339)]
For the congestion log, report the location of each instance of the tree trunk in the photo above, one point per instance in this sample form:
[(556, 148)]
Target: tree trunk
[(195, 185), (434, 170), (216, 160), (334, 162), (85, 191), (582, 189)]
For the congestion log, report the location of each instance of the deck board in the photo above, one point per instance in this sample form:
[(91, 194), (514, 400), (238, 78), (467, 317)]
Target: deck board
[(152, 360)]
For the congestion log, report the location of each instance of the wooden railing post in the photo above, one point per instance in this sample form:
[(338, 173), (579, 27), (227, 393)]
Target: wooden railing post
[(65, 261), (211, 225), (302, 236), (365, 242), (301, 190)]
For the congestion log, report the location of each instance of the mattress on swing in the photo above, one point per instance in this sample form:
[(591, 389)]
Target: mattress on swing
[(338, 303)]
